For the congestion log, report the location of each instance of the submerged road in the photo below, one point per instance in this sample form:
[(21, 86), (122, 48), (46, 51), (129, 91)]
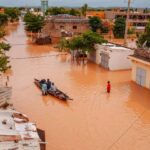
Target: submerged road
[(94, 120)]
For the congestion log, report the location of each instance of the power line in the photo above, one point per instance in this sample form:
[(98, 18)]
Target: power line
[(125, 132), (34, 57)]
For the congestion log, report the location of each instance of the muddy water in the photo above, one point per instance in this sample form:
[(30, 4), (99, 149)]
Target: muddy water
[(94, 120)]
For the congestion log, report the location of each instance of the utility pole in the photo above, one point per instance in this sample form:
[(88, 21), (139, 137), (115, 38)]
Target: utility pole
[(127, 24)]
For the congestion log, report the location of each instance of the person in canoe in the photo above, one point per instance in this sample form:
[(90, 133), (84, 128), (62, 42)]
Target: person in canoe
[(55, 91), (53, 87), (48, 84), (42, 81), (43, 87)]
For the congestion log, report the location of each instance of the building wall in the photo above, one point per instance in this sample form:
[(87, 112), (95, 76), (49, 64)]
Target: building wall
[(118, 60), (110, 15), (54, 29), (137, 20), (135, 65), (100, 14)]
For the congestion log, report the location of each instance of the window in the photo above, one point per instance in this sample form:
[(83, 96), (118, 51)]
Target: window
[(61, 27), (74, 27)]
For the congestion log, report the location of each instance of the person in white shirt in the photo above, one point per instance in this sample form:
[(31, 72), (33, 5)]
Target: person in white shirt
[(53, 87)]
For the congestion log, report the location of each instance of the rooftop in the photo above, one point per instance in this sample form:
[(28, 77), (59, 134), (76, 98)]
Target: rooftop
[(114, 47), (17, 132), (66, 18), (142, 54)]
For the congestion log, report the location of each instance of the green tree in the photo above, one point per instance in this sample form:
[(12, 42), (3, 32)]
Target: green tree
[(86, 41), (119, 27), (63, 45), (4, 60), (2, 32), (62, 10), (95, 23), (74, 12), (84, 9), (33, 23), (144, 39), (13, 14), (3, 19), (56, 11)]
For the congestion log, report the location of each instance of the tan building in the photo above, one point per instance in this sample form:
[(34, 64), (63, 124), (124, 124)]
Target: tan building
[(138, 20), (141, 67), (100, 14), (65, 25)]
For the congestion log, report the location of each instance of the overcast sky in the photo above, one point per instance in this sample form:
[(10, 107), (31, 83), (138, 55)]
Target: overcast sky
[(92, 3)]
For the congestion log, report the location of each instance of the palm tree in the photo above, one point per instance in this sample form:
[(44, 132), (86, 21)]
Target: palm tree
[(84, 9)]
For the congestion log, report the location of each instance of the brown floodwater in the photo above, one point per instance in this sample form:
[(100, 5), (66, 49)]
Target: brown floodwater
[(94, 120)]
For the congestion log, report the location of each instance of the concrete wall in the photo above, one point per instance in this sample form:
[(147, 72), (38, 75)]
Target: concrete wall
[(54, 28), (135, 65), (118, 59)]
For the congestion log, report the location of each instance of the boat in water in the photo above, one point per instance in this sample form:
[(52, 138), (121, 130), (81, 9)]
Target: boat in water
[(58, 94)]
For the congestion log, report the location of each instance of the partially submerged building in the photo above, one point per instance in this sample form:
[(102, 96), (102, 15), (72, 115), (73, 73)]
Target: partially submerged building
[(65, 25), (111, 56), (141, 67)]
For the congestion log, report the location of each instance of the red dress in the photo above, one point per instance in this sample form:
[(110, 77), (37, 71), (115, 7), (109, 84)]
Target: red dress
[(108, 88)]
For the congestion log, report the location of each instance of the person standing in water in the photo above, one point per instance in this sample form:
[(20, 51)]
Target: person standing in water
[(108, 87)]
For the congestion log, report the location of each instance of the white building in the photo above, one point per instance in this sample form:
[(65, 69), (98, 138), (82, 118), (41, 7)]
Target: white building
[(111, 56)]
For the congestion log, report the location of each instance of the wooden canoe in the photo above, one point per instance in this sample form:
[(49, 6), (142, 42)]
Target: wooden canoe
[(58, 94)]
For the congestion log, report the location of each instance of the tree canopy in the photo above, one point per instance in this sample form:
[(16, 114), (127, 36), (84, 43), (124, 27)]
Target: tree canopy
[(33, 23), (84, 9), (4, 60), (144, 39), (12, 13), (62, 10), (95, 23), (119, 27), (85, 41), (3, 19)]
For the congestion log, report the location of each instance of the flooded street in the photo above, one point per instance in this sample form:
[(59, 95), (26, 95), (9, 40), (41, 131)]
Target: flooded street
[(94, 120)]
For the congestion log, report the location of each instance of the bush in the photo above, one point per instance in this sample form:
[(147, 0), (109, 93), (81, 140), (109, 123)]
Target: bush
[(119, 28)]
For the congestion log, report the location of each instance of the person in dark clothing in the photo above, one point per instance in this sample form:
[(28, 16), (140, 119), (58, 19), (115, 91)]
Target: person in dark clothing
[(42, 81), (48, 84)]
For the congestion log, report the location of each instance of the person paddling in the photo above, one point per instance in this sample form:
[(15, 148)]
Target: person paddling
[(108, 87)]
